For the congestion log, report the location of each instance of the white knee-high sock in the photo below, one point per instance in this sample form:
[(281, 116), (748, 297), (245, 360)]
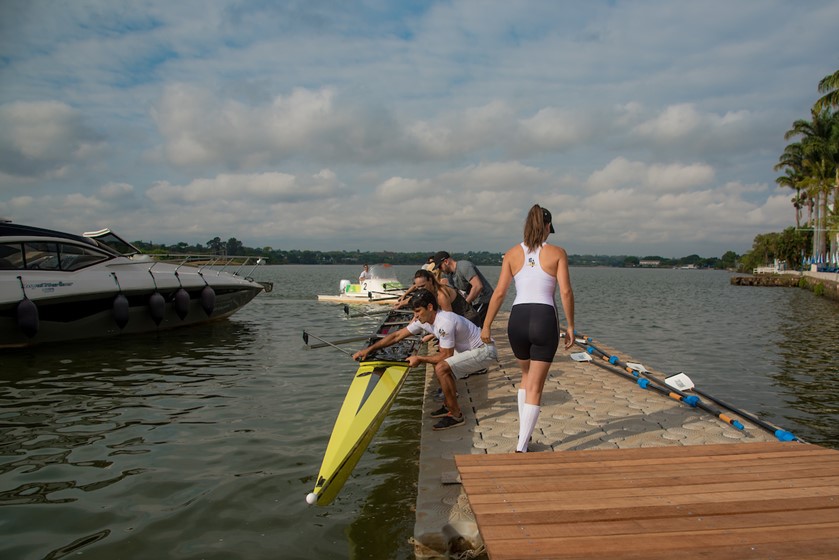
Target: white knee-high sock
[(521, 396), (528, 418)]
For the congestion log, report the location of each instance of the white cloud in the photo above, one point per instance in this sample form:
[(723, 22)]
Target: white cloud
[(660, 178), (645, 127), (43, 138)]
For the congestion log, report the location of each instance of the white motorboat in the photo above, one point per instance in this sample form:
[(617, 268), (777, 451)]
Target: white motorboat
[(381, 287), (57, 286)]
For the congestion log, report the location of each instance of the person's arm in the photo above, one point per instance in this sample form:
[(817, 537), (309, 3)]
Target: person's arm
[(392, 338), (566, 294), (432, 359), (476, 289), (404, 298), (497, 297), (445, 296)]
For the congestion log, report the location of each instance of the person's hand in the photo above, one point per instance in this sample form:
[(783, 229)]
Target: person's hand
[(569, 337), (414, 360), (360, 355), (486, 334)]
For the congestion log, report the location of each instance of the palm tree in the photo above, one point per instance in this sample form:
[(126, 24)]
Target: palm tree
[(792, 160), (820, 153), (829, 85)]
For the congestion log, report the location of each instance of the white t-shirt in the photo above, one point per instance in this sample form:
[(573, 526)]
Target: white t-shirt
[(452, 330)]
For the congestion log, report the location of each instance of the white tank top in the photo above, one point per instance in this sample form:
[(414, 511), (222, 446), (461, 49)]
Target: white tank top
[(534, 285)]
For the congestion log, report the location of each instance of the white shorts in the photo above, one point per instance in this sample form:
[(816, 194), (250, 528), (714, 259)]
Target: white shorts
[(464, 364)]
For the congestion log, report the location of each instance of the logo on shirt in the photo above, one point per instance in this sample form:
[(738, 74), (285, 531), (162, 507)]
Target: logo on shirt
[(441, 333), (531, 262)]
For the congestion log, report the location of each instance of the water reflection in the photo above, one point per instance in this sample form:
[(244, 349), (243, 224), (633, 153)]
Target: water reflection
[(203, 442), (809, 368)]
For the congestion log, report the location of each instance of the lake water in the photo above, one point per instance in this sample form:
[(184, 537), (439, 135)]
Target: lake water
[(203, 443)]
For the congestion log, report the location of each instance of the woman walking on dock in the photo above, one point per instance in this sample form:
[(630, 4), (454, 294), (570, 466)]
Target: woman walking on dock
[(536, 267)]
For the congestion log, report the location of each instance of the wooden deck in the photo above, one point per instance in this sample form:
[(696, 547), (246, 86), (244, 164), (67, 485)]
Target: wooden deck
[(737, 501)]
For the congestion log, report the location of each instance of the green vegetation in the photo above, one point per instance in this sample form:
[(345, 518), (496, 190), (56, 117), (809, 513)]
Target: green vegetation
[(811, 168), (790, 246), (276, 256)]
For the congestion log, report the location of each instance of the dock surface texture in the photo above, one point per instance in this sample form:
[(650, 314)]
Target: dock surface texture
[(584, 407)]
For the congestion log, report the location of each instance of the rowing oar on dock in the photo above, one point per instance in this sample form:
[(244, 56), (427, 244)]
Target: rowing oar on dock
[(638, 373), (683, 382)]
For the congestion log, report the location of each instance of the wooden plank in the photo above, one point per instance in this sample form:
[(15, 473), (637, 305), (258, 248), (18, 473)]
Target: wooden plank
[(753, 500)]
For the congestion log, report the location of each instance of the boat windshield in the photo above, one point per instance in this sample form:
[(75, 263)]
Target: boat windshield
[(116, 243), (382, 271)]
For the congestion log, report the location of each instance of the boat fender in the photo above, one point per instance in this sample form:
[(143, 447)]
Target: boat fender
[(181, 303), (120, 310), (27, 317), (208, 300), (157, 308)]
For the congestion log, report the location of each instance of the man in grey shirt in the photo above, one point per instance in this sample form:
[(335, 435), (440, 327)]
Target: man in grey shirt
[(466, 277)]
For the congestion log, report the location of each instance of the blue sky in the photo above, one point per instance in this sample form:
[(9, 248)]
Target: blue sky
[(646, 127)]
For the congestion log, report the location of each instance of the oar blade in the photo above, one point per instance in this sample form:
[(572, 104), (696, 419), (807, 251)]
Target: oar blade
[(680, 381), (581, 357)]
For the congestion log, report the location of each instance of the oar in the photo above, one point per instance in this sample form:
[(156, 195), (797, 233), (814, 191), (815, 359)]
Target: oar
[(682, 381), (638, 371), (306, 340), (334, 342)]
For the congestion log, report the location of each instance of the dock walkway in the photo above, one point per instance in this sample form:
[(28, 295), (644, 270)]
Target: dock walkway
[(584, 407)]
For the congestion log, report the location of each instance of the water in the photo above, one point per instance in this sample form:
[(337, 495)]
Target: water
[(203, 443)]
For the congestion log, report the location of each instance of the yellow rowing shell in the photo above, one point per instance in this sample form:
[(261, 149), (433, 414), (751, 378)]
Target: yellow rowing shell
[(368, 400)]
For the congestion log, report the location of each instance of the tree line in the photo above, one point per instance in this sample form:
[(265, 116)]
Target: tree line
[(233, 246)]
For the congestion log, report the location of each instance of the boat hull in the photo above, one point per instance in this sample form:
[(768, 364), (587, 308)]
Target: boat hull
[(369, 398), (82, 305), (373, 290), (358, 299)]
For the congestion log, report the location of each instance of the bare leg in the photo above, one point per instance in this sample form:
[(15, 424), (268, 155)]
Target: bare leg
[(447, 382), (534, 382)]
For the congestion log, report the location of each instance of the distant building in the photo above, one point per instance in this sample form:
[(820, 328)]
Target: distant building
[(649, 263)]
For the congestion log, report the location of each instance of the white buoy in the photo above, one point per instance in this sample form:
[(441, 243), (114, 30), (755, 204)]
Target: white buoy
[(311, 498)]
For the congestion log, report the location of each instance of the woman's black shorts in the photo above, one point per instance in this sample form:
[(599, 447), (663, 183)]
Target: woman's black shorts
[(533, 331)]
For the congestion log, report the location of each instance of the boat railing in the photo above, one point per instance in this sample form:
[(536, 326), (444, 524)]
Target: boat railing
[(217, 263)]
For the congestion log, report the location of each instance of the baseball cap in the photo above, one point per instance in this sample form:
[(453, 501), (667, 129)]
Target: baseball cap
[(546, 216), (440, 256)]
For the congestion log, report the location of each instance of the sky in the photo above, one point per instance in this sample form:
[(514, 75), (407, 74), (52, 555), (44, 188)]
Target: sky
[(645, 127)]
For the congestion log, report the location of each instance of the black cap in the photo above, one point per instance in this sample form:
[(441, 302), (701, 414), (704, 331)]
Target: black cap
[(439, 257), (546, 216)]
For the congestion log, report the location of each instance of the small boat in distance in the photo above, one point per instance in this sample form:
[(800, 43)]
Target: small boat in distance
[(382, 287), (56, 286)]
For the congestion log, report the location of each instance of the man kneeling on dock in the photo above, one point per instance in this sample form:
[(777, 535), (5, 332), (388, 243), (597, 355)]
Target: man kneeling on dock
[(462, 351)]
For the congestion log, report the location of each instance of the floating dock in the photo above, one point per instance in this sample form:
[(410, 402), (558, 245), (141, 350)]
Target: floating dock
[(584, 408), (741, 501)]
